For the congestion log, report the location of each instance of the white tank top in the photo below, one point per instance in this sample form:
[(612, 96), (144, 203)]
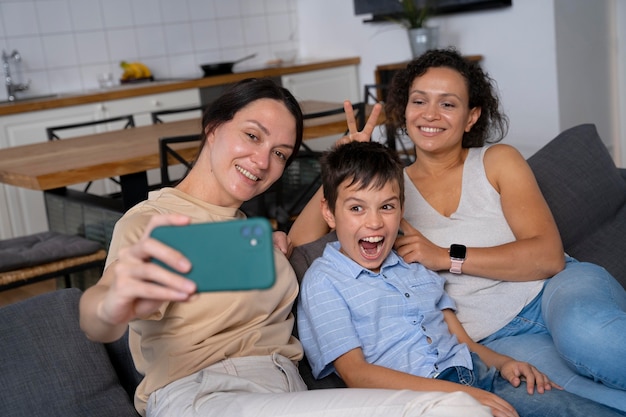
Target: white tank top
[(483, 305)]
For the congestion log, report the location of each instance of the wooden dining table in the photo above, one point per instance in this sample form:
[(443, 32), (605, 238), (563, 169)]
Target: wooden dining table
[(129, 154)]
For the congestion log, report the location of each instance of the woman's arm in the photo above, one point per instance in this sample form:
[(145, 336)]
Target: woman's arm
[(133, 286), (537, 252), (310, 225), (358, 373)]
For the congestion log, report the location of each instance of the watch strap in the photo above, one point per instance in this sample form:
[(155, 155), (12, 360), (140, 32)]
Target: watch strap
[(456, 265)]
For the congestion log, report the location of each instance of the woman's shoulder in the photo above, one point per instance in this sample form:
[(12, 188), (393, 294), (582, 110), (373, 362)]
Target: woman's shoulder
[(501, 150), (501, 162), (501, 156)]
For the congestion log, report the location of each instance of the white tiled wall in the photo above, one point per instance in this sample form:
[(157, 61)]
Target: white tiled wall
[(65, 44)]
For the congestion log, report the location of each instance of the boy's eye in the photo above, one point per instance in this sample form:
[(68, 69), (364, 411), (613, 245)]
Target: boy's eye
[(448, 105), (388, 207), (356, 208), (252, 136)]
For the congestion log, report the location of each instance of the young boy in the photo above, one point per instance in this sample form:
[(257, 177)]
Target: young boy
[(379, 322)]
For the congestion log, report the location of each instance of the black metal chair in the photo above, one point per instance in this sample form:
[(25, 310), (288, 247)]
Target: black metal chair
[(168, 154), (126, 122), (377, 93), (156, 116)]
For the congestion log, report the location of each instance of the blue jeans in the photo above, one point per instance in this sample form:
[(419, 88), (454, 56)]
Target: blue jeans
[(553, 403), (574, 332)]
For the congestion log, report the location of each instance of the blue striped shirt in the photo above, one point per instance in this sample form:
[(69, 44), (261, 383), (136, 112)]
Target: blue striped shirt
[(394, 316)]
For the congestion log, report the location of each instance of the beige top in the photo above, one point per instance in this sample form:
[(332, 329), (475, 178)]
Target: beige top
[(183, 338)]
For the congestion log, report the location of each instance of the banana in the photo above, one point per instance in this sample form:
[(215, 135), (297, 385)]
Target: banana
[(145, 70), (134, 70)]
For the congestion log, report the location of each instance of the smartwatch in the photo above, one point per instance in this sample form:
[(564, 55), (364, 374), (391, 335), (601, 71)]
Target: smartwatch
[(457, 257)]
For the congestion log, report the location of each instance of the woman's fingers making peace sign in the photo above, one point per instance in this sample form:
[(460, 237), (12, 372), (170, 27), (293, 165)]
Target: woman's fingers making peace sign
[(353, 132)]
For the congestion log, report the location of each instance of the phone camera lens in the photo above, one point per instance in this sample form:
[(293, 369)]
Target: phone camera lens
[(258, 231), (246, 231)]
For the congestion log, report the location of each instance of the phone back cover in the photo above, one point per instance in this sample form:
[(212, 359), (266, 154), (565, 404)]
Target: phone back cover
[(225, 256)]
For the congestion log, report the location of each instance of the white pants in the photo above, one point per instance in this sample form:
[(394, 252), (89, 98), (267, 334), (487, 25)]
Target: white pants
[(271, 386)]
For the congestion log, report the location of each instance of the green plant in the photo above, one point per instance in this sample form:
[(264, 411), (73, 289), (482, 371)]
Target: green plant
[(412, 16)]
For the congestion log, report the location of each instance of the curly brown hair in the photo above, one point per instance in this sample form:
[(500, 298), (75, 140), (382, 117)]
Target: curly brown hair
[(491, 126)]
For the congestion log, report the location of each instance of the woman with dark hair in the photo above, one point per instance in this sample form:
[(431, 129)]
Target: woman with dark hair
[(475, 214), (516, 290), (224, 353)]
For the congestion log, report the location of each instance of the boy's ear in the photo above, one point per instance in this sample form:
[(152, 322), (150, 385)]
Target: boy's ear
[(327, 214)]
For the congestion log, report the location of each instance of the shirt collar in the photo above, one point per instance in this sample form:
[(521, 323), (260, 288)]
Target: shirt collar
[(354, 270)]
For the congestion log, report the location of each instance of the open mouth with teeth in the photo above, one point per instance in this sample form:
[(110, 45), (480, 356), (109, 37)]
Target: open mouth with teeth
[(430, 129), (371, 247), (247, 173)]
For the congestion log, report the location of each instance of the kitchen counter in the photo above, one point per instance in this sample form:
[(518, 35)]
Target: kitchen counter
[(139, 89)]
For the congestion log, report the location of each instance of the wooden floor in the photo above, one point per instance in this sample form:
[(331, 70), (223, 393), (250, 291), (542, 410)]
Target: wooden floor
[(21, 293)]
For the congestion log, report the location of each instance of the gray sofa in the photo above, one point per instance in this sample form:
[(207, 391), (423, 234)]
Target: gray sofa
[(48, 367)]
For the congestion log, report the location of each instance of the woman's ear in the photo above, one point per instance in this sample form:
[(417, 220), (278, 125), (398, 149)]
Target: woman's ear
[(327, 214), (210, 136), (474, 115)]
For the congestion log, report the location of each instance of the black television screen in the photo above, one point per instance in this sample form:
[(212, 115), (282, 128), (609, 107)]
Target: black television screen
[(381, 8)]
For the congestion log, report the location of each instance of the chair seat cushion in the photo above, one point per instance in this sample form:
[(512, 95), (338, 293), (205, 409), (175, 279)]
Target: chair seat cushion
[(36, 249)]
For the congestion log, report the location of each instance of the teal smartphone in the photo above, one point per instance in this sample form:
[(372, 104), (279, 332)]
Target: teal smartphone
[(225, 256)]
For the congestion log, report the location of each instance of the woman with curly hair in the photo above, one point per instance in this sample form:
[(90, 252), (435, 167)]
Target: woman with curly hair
[(475, 214)]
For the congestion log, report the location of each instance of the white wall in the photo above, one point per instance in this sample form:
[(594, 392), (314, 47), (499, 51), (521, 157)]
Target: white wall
[(619, 77), (65, 44), (585, 58), (518, 44)]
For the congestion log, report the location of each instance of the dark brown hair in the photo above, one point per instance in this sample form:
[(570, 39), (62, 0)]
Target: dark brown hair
[(363, 163)]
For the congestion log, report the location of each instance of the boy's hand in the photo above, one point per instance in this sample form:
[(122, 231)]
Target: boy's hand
[(516, 371)]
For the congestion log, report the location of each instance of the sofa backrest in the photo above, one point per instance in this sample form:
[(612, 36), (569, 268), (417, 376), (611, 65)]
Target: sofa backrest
[(586, 193), (48, 366)]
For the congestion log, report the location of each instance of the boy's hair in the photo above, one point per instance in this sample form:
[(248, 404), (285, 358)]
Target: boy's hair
[(366, 164)]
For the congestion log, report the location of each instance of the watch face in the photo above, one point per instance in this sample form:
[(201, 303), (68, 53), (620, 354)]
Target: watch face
[(457, 251)]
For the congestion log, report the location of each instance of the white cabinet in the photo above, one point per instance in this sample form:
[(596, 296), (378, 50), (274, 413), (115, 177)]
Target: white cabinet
[(141, 107), (22, 211), (334, 84)]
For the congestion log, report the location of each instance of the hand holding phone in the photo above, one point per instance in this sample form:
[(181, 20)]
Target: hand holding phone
[(225, 256)]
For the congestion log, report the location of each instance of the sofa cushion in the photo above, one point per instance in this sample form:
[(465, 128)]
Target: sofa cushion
[(303, 256), (48, 366), (587, 196)]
